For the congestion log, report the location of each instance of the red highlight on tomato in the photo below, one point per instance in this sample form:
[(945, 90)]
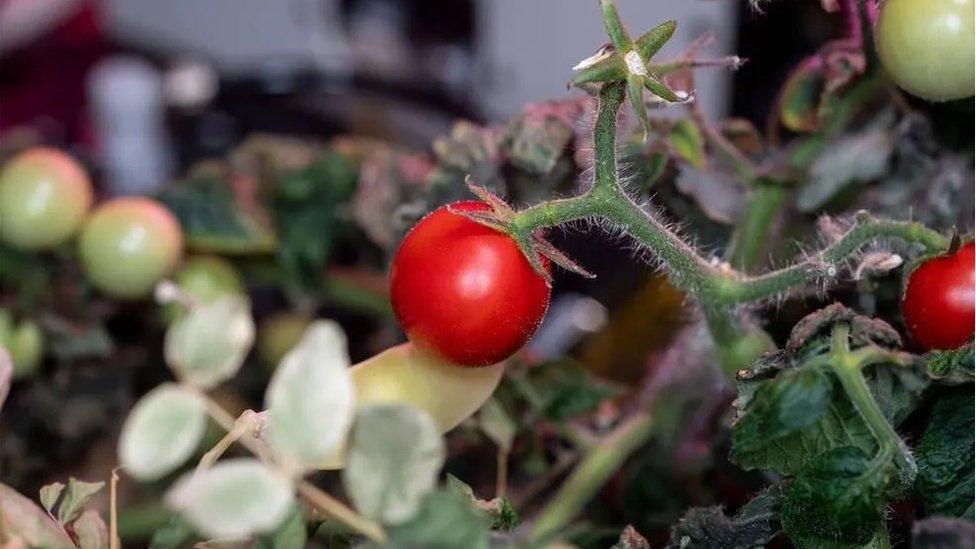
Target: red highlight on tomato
[(940, 301), (463, 291)]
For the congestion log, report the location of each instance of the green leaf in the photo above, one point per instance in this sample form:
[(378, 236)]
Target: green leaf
[(838, 497), (793, 400), (234, 499), (755, 525), (951, 367), (653, 40), (446, 520), (66, 503), (304, 205), (49, 495), (535, 140), (216, 217), (91, 531), (799, 102), (687, 141), (29, 522), (177, 534), (162, 431), (945, 457), (310, 398), (291, 534), (496, 424), (770, 434), (208, 345), (395, 454), (846, 161), (499, 511)]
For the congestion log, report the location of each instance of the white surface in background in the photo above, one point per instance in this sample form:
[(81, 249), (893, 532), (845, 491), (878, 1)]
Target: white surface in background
[(530, 46), (525, 48), (126, 102)]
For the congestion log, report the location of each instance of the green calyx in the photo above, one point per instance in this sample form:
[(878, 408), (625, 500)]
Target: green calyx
[(628, 61)]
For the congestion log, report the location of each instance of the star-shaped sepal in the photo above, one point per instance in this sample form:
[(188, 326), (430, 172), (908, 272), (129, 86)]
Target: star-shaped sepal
[(533, 244), (629, 61)]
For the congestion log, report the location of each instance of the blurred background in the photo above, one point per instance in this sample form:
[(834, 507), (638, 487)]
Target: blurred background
[(145, 92), (144, 88)]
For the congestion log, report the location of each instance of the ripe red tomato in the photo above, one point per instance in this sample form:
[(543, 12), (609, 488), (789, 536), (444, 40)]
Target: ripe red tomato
[(463, 291), (940, 301)]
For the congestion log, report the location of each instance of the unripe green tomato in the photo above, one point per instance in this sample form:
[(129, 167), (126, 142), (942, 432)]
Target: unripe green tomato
[(278, 334), (205, 278), (927, 46), (24, 342), (44, 196), (405, 375), (130, 244)]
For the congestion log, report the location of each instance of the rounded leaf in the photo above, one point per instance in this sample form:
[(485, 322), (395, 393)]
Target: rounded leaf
[(395, 453), (310, 399), (234, 499), (162, 431), (208, 345)]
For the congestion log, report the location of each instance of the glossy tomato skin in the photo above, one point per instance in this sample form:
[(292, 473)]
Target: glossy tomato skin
[(129, 244), (927, 46), (44, 196), (940, 301), (464, 292)]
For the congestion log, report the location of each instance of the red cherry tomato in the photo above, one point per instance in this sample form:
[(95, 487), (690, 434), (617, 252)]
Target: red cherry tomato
[(940, 300), (463, 291)]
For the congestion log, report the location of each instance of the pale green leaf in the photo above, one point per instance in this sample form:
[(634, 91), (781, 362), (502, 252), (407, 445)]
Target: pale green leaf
[(394, 456), (74, 497), (161, 432), (49, 495), (234, 499), (28, 522), (208, 345), (310, 399)]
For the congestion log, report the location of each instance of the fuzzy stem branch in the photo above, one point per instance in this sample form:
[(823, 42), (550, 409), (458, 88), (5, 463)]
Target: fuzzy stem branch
[(326, 504)]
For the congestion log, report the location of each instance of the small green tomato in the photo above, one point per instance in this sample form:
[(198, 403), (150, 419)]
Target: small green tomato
[(44, 196), (24, 342), (130, 244), (278, 334), (927, 46), (205, 278)]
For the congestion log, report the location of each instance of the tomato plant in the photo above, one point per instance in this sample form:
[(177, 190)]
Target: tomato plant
[(940, 300), (782, 378), (128, 245), (44, 196), (927, 46), (464, 291)]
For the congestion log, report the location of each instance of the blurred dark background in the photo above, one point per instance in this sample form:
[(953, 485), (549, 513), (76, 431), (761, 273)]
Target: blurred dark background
[(144, 88)]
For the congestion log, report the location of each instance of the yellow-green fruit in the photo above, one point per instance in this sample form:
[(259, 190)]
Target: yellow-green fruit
[(130, 244), (927, 46), (205, 278), (44, 196), (278, 334), (405, 375), (24, 342)]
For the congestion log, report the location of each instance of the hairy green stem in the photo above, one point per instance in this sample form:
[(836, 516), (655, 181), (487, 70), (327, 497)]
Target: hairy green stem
[(591, 474)]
